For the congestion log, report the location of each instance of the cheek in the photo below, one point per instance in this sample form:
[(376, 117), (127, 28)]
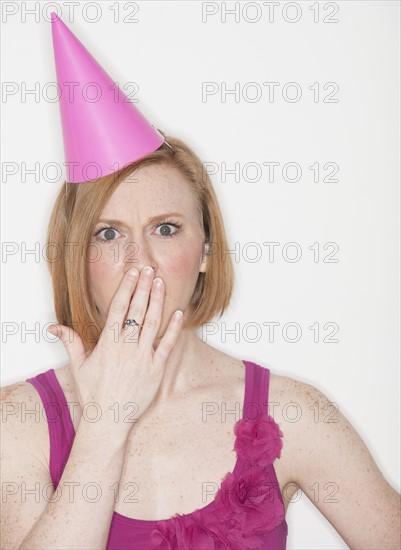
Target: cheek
[(184, 265), (104, 277)]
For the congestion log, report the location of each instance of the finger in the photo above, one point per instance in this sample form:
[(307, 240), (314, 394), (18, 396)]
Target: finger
[(139, 303), (120, 302), (169, 339), (153, 315), (72, 343)]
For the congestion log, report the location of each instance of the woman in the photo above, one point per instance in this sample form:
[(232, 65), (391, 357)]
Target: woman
[(135, 432), (158, 456)]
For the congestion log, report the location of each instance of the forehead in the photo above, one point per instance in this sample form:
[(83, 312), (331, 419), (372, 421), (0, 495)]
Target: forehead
[(150, 188)]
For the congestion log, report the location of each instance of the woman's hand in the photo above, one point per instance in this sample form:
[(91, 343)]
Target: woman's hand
[(123, 373)]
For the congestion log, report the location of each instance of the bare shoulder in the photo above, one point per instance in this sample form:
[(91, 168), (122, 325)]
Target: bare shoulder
[(288, 386), (23, 419), (288, 392), (15, 399), (298, 405), (298, 408)]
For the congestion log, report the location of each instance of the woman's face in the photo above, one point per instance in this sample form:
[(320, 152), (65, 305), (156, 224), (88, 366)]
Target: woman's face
[(134, 240)]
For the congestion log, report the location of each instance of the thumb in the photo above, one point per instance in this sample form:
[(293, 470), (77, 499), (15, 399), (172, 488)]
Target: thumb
[(72, 343)]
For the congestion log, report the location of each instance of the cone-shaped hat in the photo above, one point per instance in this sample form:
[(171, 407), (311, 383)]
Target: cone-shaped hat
[(102, 130)]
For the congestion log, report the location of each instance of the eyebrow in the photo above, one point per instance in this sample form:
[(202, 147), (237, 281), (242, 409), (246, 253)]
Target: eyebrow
[(159, 217)]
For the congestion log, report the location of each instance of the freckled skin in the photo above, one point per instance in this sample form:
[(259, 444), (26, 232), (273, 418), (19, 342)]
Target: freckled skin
[(327, 460), (151, 191)]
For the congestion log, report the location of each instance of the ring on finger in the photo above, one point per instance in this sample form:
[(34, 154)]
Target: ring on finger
[(131, 322)]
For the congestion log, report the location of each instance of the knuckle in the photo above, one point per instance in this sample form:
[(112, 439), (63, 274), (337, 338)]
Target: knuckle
[(144, 285), (137, 314)]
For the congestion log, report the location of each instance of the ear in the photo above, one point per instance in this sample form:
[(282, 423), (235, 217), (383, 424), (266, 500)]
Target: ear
[(203, 265)]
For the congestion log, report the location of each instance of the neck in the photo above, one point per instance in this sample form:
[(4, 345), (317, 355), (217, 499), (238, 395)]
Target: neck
[(183, 369)]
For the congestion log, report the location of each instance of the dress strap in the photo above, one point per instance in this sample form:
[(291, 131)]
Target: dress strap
[(256, 391), (60, 425)]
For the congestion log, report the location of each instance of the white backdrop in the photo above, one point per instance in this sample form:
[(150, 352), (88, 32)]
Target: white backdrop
[(331, 205)]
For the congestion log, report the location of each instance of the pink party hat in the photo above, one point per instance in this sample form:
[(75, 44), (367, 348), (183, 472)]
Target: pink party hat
[(102, 130)]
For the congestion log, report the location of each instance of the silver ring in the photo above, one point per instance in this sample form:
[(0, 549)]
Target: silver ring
[(131, 322)]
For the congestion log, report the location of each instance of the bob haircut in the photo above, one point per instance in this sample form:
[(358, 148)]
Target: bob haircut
[(75, 213)]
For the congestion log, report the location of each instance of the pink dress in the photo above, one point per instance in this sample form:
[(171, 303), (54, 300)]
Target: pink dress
[(247, 511)]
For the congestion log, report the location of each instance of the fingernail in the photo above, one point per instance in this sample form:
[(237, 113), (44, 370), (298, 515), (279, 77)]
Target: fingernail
[(157, 283)]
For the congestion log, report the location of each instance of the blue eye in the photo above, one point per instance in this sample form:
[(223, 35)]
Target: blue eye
[(109, 229), (166, 224), (106, 228)]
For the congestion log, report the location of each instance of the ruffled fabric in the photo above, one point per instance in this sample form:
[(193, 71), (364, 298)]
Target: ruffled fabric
[(259, 442), (245, 505)]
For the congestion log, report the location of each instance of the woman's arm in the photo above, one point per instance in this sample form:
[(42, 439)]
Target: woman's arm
[(335, 469), (28, 519)]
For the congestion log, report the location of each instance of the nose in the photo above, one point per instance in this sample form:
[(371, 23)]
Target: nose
[(139, 254)]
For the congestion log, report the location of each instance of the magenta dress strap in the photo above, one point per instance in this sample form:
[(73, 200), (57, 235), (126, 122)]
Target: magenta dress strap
[(256, 391), (60, 425)]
